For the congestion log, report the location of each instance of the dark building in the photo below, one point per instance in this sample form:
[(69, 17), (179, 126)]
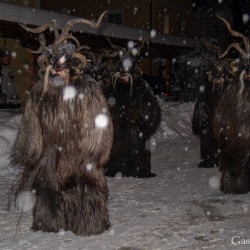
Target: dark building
[(167, 25)]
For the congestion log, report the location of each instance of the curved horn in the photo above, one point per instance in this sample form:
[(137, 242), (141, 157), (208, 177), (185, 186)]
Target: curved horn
[(82, 58), (236, 46), (113, 46), (42, 61), (70, 23), (111, 55), (42, 41), (235, 33), (50, 24), (46, 78), (83, 47), (101, 17)]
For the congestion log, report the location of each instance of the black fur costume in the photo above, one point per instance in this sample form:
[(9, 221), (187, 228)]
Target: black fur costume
[(60, 147), (204, 112), (136, 116)]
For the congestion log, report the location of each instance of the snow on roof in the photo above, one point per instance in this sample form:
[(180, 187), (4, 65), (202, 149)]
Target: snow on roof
[(37, 17)]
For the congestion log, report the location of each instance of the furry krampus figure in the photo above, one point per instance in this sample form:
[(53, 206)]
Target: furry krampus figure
[(232, 126), (135, 115), (218, 79), (60, 141)]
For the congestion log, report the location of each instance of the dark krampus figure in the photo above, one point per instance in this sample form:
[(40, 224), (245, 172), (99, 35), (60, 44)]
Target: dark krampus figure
[(136, 116), (204, 113), (60, 145), (201, 125), (232, 126)]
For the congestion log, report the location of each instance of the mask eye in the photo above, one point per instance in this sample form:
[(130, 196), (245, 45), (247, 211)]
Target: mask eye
[(62, 60)]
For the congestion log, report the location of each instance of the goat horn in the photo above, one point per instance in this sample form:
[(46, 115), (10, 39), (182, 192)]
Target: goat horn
[(107, 54), (42, 41), (83, 21), (82, 58), (83, 47), (235, 33), (236, 46), (42, 61), (42, 28), (113, 46)]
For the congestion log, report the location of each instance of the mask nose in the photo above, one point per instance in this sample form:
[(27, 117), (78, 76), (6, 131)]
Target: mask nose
[(58, 68)]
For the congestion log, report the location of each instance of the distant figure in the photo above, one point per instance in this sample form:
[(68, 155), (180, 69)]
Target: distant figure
[(135, 114), (201, 125), (204, 113)]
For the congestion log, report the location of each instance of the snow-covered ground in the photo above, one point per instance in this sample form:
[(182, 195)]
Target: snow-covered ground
[(181, 208)]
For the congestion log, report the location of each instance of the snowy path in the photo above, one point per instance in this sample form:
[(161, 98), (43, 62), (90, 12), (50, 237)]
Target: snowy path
[(181, 208)]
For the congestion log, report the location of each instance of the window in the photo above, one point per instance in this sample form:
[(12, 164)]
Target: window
[(115, 16), (166, 24)]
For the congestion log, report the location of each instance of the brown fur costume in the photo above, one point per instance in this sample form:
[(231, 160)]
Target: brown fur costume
[(61, 149), (232, 130), (232, 125)]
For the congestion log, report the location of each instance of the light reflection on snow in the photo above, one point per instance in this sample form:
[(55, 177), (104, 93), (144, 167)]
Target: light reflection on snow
[(158, 209)]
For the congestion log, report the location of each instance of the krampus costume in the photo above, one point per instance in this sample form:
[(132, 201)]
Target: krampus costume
[(233, 134), (232, 128), (135, 115), (60, 145), (203, 114), (201, 125)]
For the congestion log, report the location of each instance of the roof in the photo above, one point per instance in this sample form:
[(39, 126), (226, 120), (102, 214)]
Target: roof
[(161, 45)]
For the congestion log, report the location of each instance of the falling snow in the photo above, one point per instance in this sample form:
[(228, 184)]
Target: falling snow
[(111, 101), (69, 92), (127, 63), (134, 51), (245, 18), (101, 121), (89, 167), (131, 44), (181, 208), (152, 33)]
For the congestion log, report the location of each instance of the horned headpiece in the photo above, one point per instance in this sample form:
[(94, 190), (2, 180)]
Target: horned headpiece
[(64, 53), (126, 68), (244, 52), (245, 56)]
